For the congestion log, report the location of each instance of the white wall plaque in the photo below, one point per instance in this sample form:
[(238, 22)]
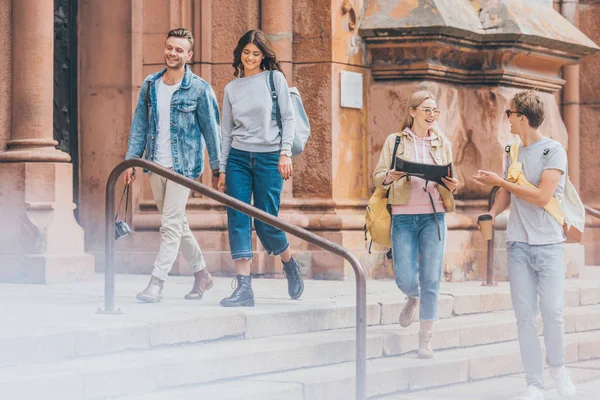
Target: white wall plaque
[(351, 89)]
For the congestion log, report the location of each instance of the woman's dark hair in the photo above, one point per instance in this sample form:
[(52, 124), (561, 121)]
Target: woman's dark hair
[(259, 39)]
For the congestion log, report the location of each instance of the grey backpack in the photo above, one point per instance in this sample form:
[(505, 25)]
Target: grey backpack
[(302, 125)]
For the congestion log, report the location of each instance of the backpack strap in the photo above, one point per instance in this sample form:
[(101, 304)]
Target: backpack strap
[(147, 96), (514, 151), (398, 140), (273, 91)]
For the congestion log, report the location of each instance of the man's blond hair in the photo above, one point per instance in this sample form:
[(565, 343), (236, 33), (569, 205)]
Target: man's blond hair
[(529, 104), (182, 33)]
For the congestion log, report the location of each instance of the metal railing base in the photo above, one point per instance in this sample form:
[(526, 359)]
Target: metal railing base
[(113, 312)]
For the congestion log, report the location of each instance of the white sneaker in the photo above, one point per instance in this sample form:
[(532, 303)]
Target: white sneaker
[(564, 384), (532, 393)]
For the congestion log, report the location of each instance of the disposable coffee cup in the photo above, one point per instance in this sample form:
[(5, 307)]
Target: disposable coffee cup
[(486, 225)]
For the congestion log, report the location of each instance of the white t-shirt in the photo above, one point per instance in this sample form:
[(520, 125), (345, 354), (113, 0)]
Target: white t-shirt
[(164, 94)]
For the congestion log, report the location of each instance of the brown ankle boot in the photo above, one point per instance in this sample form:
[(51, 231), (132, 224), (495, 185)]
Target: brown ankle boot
[(153, 293), (202, 282)]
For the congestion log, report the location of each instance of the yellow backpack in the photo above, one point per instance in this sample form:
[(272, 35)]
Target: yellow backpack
[(378, 219)]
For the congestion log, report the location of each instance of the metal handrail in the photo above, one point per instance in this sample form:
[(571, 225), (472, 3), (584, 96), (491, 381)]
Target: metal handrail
[(489, 276), (361, 287), (591, 211)]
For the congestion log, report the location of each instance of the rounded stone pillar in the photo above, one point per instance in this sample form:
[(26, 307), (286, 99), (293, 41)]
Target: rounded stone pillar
[(40, 240), (32, 90), (276, 23), (571, 102)]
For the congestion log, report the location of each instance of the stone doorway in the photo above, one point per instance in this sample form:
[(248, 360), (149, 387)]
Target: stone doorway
[(65, 85)]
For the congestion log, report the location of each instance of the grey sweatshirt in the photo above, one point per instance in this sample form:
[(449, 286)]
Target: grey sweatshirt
[(246, 123)]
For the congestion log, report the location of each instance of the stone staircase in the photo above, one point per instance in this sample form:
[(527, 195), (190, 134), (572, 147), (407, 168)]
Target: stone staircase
[(281, 349)]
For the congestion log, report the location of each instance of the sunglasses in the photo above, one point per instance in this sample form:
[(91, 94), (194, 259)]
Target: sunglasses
[(509, 113)]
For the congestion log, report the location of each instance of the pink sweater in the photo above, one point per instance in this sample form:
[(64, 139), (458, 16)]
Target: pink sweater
[(419, 199)]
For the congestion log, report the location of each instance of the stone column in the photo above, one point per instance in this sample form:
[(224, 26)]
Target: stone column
[(574, 252), (40, 241), (276, 23), (570, 98), (32, 95)]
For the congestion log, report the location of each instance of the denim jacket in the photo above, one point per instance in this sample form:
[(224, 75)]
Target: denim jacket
[(194, 116)]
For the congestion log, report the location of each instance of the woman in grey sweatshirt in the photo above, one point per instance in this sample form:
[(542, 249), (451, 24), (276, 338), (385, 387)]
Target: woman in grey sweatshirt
[(255, 159)]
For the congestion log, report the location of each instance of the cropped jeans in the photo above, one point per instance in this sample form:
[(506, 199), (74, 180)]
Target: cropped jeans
[(254, 176), (418, 255)]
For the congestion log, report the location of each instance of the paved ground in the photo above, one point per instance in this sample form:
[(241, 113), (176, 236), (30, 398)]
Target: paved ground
[(52, 308)]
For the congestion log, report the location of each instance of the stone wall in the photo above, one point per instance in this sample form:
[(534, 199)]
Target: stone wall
[(107, 80), (589, 15), (122, 43)]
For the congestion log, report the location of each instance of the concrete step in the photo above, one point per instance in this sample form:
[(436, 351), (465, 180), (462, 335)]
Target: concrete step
[(167, 367), (230, 390), (510, 386), (403, 377), (402, 374), (53, 334)]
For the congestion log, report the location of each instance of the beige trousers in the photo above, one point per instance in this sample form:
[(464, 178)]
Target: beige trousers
[(175, 233)]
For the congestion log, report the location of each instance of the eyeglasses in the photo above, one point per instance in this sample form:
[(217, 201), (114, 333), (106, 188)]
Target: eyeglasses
[(431, 112), (510, 112)]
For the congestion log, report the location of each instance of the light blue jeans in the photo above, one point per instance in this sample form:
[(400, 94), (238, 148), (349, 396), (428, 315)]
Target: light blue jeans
[(418, 255), (538, 271)]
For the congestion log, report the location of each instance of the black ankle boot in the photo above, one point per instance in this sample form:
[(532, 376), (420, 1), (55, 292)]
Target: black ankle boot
[(243, 295), (291, 270)]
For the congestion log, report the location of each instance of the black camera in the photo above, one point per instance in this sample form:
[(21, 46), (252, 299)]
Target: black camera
[(121, 229)]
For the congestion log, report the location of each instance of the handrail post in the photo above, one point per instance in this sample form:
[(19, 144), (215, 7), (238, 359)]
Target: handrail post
[(361, 329), (109, 244), (489, 278), (361, 284)]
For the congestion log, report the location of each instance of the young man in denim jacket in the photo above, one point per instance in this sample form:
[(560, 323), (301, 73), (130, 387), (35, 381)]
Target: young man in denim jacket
[(175, 111), (534, 245)]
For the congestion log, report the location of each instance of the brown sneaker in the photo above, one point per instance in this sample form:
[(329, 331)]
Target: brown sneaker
[(202, 282), (409, 311), (425, 350), (153, 293)]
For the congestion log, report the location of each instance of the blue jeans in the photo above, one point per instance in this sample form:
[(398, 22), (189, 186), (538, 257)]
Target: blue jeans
[(538, 271), (418, 255), (254, 175)]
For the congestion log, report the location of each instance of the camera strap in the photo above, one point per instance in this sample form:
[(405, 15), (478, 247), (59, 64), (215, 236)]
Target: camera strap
[(126, 195)]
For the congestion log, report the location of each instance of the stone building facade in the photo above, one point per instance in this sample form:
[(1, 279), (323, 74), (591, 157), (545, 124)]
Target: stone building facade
[(71, 73)]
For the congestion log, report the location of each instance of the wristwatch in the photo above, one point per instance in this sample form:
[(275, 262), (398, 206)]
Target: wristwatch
[(286, 153)]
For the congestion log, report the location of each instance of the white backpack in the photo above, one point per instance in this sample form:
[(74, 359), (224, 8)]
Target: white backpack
[(302, 125), (573, 212)]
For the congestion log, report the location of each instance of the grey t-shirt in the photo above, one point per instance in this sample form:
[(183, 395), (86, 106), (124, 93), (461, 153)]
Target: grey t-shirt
[(529, 223), (247, 120)]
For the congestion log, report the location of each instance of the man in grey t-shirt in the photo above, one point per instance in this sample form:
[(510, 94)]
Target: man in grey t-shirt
[(535, 245)]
